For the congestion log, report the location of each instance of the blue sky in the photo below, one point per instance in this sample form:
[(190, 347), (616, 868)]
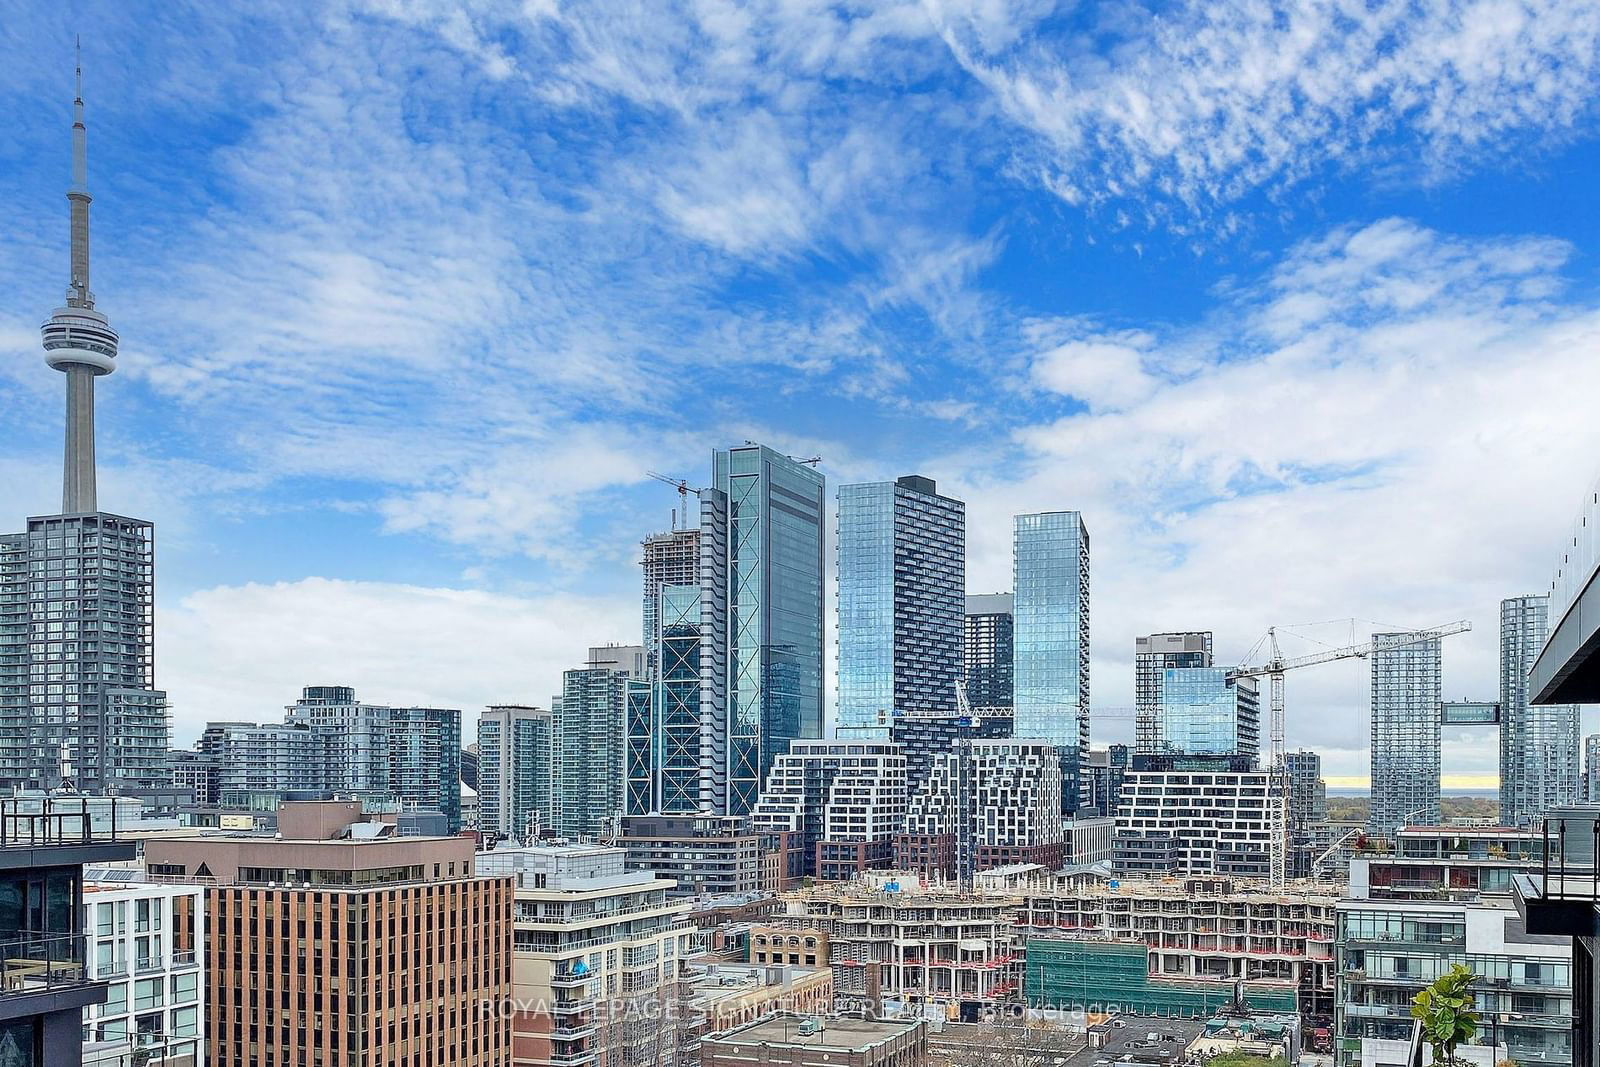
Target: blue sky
[(1298, 303)]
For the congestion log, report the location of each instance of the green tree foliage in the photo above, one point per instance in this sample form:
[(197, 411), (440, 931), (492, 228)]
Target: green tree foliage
[(1445, 1009)]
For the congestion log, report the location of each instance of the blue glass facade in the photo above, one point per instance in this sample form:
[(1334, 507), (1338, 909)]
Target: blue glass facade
[(1406, 723), (1050, 570), (771, 611), (1206, 713), (902, 582)]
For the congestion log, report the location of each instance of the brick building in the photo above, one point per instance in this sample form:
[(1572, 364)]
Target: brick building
[(339, 943)]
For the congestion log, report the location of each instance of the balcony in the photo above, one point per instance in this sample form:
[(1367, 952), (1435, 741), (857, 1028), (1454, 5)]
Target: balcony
[(573, 1059), (42, 963), (1563, 895)]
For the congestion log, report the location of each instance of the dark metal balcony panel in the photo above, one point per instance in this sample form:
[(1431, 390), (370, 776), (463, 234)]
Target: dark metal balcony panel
[(1572, 915), (1568, 669)]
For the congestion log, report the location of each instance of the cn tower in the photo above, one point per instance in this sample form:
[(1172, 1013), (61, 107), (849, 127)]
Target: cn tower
[(78, 340)]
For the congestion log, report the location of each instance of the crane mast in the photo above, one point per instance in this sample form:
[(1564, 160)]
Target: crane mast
[(1275, 668)]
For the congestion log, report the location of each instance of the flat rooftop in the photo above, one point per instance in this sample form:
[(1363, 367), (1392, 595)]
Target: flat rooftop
[(846, 1034)]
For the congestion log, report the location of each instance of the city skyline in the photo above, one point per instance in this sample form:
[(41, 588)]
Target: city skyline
[(1324, 455)]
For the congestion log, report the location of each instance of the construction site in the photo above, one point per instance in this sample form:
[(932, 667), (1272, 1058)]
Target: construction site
[(912, 948), (1279, 943)]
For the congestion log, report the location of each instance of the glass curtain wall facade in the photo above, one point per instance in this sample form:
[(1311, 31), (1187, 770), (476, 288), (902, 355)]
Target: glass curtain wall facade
[(988, 659), (664, 731), (901, 588), (770, 582), (1206, 713), (77, 696), (1152, 656), (1539, 766), (1050, 570), (1406, 723)]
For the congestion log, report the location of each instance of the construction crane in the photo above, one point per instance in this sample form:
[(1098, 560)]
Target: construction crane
[(1277, 664), (683, 488), (1275, 667)]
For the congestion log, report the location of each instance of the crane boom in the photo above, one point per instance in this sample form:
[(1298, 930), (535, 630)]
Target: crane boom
[(1278, 664), (1274, 669)]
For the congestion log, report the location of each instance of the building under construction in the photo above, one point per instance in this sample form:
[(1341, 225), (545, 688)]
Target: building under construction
[(918, 947), (1196, 938)]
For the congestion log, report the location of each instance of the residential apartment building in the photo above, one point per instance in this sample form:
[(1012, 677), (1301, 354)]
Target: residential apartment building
[(1104, 770), (706, 855), (49, 984), (1198, 937), (1198, 822), (515, 794), (418, 942), (1539, 755), (1152, 657), (924, 738), (842, 801), (989, 649), (146, 943), (901, 594), (198, 772), (589, 740), (78, 703), (996, 802), (1591, 768), (1050, 578), (1398, 938), (329, 742), (926, 949), (598, 952), (1205, 711), (1406, 721), (1309, 833)]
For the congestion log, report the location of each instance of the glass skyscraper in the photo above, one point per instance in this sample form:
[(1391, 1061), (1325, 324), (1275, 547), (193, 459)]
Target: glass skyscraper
[(1539, 761), (988, 659), (1050, 570), (1406, 722), (77, 701), (1204, 712), (733, 638), (902, 593), (1152, 656), (761, 568)]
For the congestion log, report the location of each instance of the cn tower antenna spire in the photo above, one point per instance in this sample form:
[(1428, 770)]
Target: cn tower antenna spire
[(78, 340)]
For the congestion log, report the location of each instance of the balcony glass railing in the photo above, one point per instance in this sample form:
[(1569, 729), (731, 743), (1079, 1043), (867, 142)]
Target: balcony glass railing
[(1569, 868), (27, 822), (42, 962)]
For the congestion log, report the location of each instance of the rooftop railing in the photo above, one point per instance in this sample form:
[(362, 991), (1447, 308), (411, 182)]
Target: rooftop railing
[(34, 822)]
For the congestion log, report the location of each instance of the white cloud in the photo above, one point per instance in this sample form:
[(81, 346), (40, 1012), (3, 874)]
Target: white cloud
[(1209, 99), (1384, 427), (1106, 373), (243, 652)]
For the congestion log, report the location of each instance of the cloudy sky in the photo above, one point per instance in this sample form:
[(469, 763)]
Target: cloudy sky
[(1298, 303)]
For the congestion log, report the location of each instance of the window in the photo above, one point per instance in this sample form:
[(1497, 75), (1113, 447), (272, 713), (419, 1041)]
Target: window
[(116, 1000), (185, 1022), (147, 994), (184, 987)]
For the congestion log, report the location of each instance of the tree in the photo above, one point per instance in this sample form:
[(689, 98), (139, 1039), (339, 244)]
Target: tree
[(1445, 1009)]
